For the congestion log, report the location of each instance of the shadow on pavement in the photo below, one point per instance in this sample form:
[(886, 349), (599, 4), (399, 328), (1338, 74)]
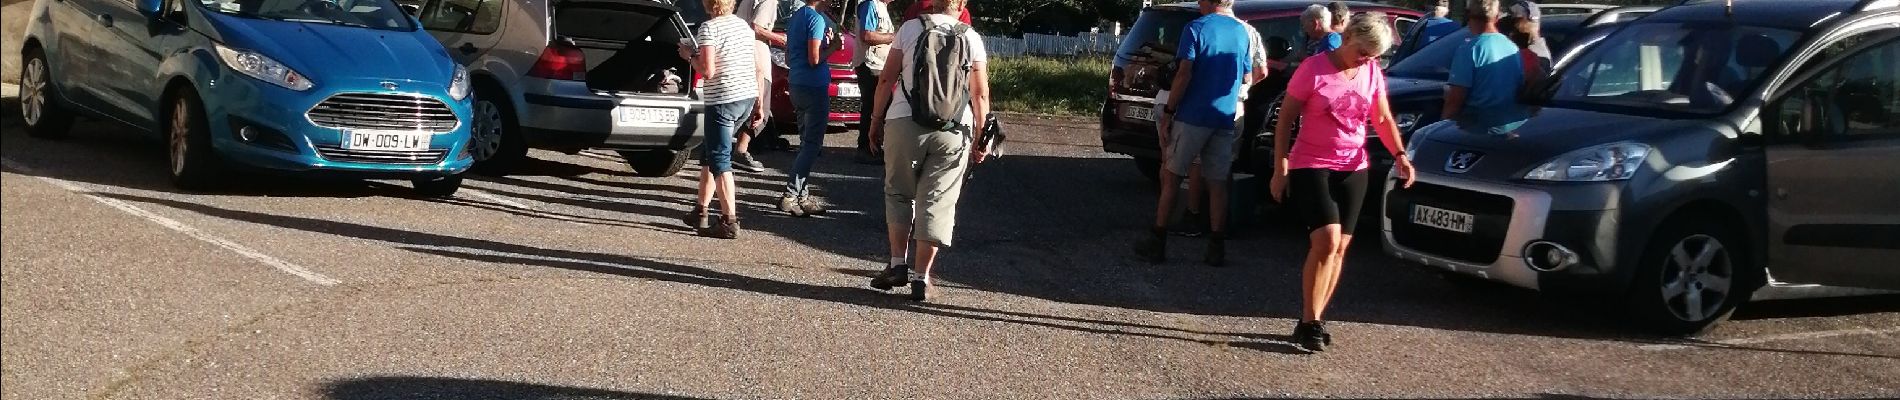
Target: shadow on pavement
[(671, 271), (416, 388)]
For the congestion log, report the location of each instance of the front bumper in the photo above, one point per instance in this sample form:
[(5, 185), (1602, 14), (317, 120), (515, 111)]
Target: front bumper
[(286, 140), (1522, 221)]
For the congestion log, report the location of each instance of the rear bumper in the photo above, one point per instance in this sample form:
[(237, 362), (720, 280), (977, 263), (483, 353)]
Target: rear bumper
[(577, 123)]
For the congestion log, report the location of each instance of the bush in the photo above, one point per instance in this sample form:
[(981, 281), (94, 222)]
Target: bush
[(1049, 85)]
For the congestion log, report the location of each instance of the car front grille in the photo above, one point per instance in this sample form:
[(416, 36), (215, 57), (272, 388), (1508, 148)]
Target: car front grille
[(1491, 216), (382, 111), (338, 153), (847, 105)]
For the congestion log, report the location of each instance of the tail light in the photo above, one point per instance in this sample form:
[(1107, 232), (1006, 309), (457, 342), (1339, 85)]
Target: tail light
[(698, 80), (1114, 79), (560, 61)]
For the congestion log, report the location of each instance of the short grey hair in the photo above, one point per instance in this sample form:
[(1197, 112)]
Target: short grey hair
[(1370, 32), (1315, 13), (1487, 8), (1222, 3)]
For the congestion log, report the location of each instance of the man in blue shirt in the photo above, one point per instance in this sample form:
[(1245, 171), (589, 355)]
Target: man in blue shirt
[(1436, 26), (1217, 62), (1486, 76), (1316, 24), (810, 83)]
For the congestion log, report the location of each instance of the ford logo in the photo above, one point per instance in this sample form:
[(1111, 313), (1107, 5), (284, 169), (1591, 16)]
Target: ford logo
[(1461, 161), (389, 85)]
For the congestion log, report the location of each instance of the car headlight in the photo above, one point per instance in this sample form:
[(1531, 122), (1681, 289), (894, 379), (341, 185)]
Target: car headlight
[(458, 85), (1610, 162), (255, 65), (1405, 121)]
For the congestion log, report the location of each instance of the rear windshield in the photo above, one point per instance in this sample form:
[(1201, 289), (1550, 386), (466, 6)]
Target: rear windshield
[(621, 21), (1159, 27)]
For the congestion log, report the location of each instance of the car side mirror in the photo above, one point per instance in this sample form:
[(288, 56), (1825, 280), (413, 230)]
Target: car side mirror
[(151, 8), (1278, 49), (412, 10)]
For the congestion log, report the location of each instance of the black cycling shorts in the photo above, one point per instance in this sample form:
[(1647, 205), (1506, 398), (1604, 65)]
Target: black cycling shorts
[(1325, 197)]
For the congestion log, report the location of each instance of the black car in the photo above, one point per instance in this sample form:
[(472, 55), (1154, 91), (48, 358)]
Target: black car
[(1143, 65), (1698, 158)]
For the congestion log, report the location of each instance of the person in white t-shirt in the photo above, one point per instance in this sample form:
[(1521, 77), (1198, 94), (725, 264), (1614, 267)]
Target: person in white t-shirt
[(725, 58), (924, 167), (761, 15)]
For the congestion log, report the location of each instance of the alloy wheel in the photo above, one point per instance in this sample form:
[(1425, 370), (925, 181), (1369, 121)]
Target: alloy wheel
[(180, 136), (487, 130), (33, 91), (1697, 278)]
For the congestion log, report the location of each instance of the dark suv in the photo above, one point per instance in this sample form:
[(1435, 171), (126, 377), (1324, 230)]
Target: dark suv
[(1144, 62), (1697, 158)]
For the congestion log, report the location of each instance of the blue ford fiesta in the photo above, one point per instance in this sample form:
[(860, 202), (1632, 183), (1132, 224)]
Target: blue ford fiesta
[(350, 87)]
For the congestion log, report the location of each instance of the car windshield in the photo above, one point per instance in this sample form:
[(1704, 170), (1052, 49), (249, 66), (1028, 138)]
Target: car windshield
[(1680, 68), (1432, 62), (376, 14)]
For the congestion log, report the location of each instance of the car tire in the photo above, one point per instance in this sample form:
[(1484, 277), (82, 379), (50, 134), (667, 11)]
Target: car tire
[(495, 138), (656, 163), (41, 108), (1691, 259), (439, 187), (1150, 168), (194, 163)]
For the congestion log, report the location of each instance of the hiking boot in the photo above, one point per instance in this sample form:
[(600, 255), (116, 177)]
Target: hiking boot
[(745, 162), (891, 277), (1216, 250), (919, 287), (811, 206), (696, 219), (866, 157), (1312, 336), (1153, 248), (725, 229), (789, 205), (1192, 224)]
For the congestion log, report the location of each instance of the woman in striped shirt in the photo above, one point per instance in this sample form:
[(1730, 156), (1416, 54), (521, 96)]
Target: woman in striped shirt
[(724, 57)]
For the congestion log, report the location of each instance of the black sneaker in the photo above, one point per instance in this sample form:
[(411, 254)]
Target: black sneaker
[(891, 277), (745, 162), (1153, 248), (696, 219), (919, 289), (1192, 224), (1216, 250), (1312, 336), (725, 229)]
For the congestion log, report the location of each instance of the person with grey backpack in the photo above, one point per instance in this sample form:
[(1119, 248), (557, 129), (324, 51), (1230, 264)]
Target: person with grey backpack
[(925, 124)]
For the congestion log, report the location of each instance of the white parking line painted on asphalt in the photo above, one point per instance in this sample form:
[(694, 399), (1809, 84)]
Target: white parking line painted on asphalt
[(497, 199), (172, 224), (1775, 338)]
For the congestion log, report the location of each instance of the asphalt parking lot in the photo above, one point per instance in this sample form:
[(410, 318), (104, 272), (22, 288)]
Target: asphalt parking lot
[(574, 280)]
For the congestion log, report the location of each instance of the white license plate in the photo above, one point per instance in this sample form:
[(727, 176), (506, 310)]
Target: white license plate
[(633, 116), (1441, 218), (848, 90), (1141, 113), (386, 140)]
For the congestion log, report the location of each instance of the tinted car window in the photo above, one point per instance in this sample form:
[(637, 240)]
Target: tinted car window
[(476, 16), (377, 14), (1433, 61), (1159, 27), (1858, 98), (1672, 67)]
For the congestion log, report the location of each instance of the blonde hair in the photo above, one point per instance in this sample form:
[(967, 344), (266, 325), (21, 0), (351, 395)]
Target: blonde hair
[(945, 6), (719, 8), (1370, 32)]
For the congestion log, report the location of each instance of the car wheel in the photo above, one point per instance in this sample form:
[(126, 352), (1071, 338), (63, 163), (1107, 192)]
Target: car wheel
[(1692, 276), (1150, 168), (39, 99), (193, 162), (656, 163), (495, 139), (438, 187)]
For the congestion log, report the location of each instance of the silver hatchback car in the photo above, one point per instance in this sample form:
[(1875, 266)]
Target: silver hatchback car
[(570, 75)]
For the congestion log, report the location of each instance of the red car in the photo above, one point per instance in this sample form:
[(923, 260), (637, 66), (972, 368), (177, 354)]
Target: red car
[(846, 97)]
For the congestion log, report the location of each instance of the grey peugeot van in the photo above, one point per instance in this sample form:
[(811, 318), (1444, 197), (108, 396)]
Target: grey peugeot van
[(570, 75), (1698, 158)]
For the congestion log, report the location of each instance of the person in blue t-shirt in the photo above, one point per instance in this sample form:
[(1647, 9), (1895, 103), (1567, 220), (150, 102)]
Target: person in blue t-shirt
[(1316, 25), (811, 101), (1198, 123), (1486, 76), (1436, 26)]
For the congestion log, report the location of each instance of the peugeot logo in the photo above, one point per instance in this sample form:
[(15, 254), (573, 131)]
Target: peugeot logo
[(1461, 161), (389, 85)]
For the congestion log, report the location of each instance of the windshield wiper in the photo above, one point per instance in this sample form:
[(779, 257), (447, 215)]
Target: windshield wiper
[(319, 21)]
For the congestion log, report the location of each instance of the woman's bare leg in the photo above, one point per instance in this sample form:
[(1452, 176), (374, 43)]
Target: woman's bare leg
[(706, 186), (1319, 272), (728, 201), (1336, 264)]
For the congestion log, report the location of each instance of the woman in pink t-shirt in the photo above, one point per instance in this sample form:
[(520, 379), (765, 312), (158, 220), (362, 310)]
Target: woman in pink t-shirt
[(1335, 96)]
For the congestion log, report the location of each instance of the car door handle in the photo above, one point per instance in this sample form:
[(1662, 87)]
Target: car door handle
[(468, 48), (104, 19)]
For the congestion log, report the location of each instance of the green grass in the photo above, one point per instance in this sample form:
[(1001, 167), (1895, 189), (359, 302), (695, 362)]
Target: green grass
[(1049, 85)]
